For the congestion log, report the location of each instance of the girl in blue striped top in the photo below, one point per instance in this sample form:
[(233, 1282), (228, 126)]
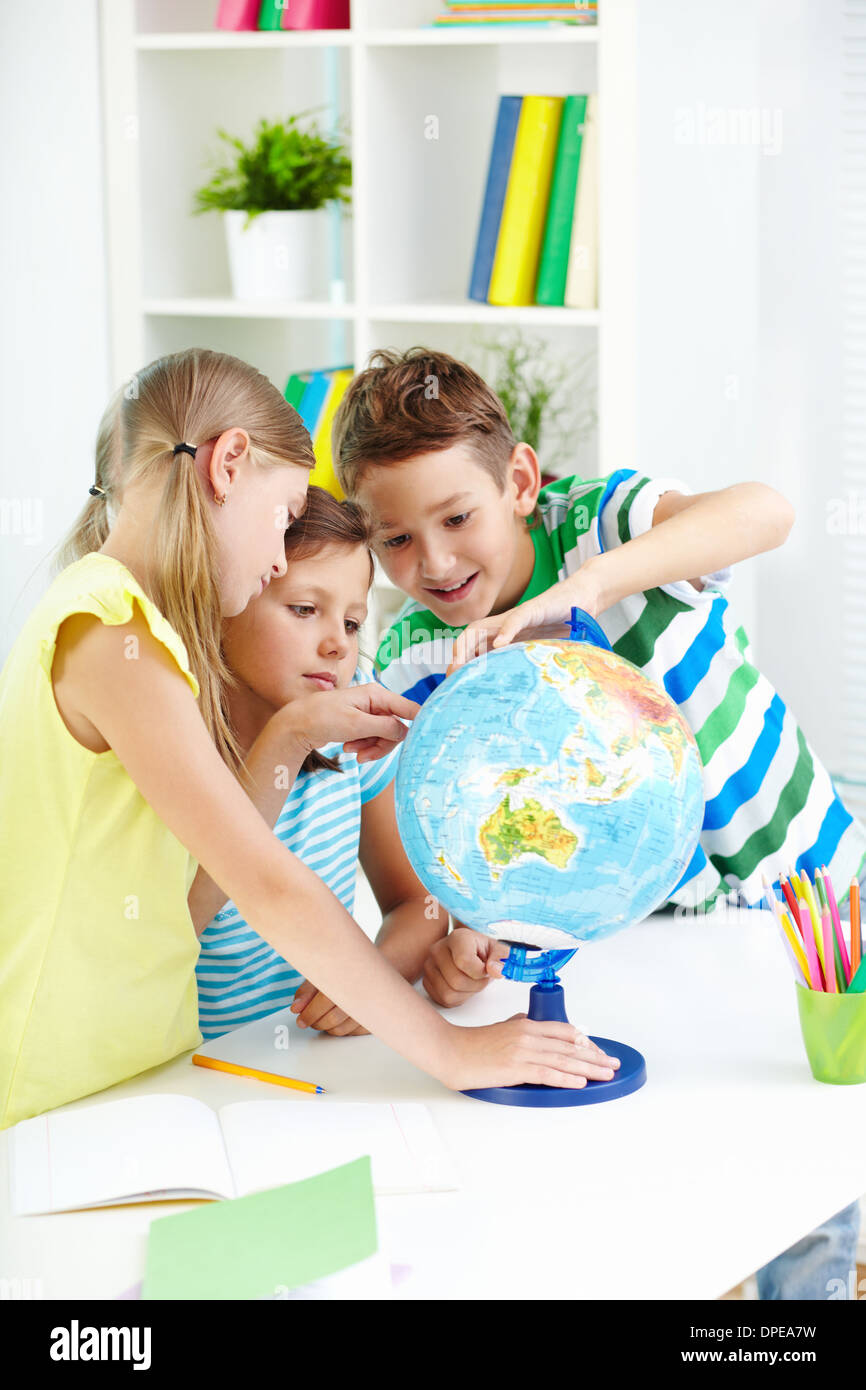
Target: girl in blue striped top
[(295, 649)]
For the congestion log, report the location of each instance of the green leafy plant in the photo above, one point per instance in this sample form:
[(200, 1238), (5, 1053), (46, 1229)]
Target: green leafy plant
[(550, 402), (287, 168)]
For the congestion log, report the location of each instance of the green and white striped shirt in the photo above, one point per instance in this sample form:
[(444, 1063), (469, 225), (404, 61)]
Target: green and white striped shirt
[(769, 801)]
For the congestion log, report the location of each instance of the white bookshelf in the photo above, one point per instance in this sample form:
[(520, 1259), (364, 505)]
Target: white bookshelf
[(170, 80)]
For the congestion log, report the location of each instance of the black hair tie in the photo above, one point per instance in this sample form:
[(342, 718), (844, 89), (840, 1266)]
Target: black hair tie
[(96, 491), (187, 449)]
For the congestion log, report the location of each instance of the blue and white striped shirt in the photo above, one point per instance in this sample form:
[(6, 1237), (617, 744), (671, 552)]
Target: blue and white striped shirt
[(769, 801), (240, 977)]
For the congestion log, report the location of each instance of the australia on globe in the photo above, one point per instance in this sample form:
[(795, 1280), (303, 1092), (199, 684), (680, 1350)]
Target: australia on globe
[(549, 793)]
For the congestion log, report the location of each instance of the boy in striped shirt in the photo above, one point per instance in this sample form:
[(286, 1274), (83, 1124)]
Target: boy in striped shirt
[(487, 555)]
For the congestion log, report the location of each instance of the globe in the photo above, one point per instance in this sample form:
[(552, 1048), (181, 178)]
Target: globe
[(549, 793)]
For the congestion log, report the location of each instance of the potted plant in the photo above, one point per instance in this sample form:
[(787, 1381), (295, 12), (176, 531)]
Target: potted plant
[(549, 400), (271, 199)]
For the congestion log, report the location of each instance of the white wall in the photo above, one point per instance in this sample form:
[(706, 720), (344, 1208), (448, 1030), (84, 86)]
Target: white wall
[(800, 421), (740, 302), (698, 252), (53, 341)]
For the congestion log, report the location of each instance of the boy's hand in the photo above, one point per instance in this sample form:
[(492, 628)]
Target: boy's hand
[(461, 964), (546, 615), (316, 1010)]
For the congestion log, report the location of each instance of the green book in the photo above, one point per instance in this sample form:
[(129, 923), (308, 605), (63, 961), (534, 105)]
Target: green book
[(553, 263), (271, 15), (296, 386)]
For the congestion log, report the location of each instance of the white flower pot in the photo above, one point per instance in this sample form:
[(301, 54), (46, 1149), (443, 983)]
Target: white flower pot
[(279, 256)]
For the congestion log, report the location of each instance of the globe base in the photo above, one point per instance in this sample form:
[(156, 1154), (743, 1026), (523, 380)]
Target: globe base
[(547, 1002)]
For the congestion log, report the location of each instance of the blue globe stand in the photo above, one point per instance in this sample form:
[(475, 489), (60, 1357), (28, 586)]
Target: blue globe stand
[(547, 1003), (547, 998)]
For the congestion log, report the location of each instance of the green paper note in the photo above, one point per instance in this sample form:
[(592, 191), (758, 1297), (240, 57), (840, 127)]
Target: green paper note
[(253, 1247)]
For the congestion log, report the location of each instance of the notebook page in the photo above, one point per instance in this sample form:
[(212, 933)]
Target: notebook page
[(275, 1142), (139, 1149)]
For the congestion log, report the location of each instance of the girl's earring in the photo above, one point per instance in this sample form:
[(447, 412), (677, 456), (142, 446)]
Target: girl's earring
[(220, 501)]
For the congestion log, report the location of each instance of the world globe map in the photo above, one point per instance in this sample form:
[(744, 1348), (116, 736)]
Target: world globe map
[(549, 793)]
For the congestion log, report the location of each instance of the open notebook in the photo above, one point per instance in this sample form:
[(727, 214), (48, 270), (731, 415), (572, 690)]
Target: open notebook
[(160, 1147)]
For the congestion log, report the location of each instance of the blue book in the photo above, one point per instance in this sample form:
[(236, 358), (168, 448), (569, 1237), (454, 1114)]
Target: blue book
[(313, 399), (494, 196)]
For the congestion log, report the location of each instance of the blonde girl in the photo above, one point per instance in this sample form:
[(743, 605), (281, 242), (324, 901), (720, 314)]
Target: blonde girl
[(120, 774)]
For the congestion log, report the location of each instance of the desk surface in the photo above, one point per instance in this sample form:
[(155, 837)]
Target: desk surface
[(728, 1154)]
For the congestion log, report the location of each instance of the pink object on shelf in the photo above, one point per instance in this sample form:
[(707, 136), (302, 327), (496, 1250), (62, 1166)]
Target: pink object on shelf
[(238, 14), (316, 14)]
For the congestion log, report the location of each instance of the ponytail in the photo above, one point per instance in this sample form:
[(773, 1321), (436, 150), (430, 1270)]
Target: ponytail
[(93, 523), (193, 396)]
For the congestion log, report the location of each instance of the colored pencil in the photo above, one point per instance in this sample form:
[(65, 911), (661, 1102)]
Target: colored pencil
[(232, 1067), (815, 975), (808, 897), (796, 943), (815, 915), (837, 927), (809, 890), (790, 938), (858, 983), (854, 910), (829, 963), (789, 898), (824, 909)]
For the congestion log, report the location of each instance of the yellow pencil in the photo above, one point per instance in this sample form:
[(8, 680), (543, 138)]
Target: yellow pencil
[(213, 1062), (794, 941), (792, 937), (806, 894)]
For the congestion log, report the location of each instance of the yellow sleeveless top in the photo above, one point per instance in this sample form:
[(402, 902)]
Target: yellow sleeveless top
[(97, 947)]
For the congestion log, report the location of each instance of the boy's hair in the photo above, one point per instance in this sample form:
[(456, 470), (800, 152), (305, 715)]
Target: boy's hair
[(418, 402), (192, 396), (323, 522)]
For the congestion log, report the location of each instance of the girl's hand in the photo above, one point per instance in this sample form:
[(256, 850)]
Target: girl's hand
[(316, 1010), (364, 718), (546, 615), (523, 1050), (461, 964)]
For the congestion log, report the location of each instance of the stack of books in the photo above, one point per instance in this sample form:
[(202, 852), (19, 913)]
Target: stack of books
[(315, 396), (538, 236), (241, 15), (462, 12)]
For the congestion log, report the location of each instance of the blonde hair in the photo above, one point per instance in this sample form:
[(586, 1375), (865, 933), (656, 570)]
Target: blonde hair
[(191, 397), (92, 524)]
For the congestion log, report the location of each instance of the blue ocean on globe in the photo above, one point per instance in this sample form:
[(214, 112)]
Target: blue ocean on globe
[(549, 793)]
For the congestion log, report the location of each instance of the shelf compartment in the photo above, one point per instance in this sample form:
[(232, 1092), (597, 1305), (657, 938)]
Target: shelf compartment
[(247, 309)]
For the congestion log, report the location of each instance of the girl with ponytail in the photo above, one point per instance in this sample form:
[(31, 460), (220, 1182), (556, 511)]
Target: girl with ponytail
[(121, 780)]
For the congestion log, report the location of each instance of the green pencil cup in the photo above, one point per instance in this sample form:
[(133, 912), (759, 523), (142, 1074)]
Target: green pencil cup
[(834, 1032)]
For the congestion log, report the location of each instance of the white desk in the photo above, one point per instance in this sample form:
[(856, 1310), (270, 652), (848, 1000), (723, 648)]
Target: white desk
[(729, 1154)]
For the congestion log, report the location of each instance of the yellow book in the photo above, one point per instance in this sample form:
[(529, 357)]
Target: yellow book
[(581, 285), (524, 213), (323, 474)]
